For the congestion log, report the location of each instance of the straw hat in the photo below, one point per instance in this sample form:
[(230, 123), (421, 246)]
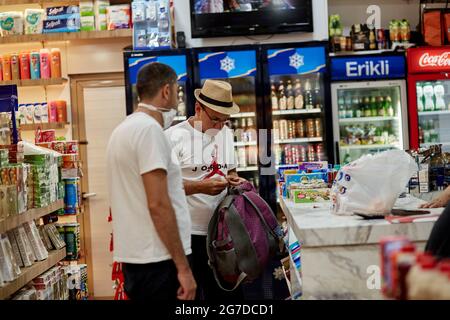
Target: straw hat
[(218, 96)]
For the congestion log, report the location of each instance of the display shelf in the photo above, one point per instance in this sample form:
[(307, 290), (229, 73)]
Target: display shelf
[(298, 140), (243, 169), (35, 83), (64, 36), (16, 220), (50, 2), (369, 146), (244, 115), (428, 144), (180, 118), (368, 119), (396, 47), (29, 273), (434, 113), (43, 126), (243, 144), (296, 111)]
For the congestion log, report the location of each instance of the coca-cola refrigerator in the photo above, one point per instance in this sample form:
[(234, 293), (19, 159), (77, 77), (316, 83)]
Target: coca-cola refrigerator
[(369, 104), (429, 94)]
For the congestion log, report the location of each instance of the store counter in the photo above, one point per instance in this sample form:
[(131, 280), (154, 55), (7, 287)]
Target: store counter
[(340, 256)]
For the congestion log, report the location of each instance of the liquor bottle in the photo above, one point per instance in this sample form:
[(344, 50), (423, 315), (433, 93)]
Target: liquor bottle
[(428, 92), (252, 152), (237, 131), (389, 106), (420, 97), (283, 100), (317, 94), (380, 107), (357, 107), (274, 97), (290, 96), (372, 39), (308, 95), (299, 103), (373, 106), (341, 106), (251, 130), (181, 104), (367, 110), (439, 93)]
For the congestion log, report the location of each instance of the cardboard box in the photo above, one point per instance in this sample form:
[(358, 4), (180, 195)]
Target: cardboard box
[(310, 195)]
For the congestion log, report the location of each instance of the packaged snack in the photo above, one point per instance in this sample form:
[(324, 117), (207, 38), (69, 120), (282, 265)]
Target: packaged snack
[(101, 22), (62, 12), (34, 19), (310, 195), (72, 147), (35, 65), (12, 200), (100, 6), (119, 17), (48, 135), (11, 23), (87, 23), (55, 63), (59, 146), (87, 8), (15, 248)]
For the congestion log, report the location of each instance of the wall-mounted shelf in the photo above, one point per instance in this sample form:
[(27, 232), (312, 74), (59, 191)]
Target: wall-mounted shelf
[(298, 140), (32, 272), (295, 111), (35, 83), (19, 219), (369, 146), (366, 119), (43, 126), (244, 115), (63, 36)]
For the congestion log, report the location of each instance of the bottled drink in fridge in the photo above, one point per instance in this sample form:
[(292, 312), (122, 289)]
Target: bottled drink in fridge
[(302, 152), (308, 96), (274, 97), (310, 132), (380, 107), (357, 107), (311, 153), (283, 100), (341, 106), (251, 130), (317, 93), (389, 107), (252, 152), (428, 92), (420, 97), (439, 93), (347, 158), (367, 111), (283, 129), (242, 157), (290, 96), (318, 127), (299, 103), (373, 106), (300, 126), (244, 130), (421, 136), (276, 130), (291, 129), (319, 152), (348, 111)]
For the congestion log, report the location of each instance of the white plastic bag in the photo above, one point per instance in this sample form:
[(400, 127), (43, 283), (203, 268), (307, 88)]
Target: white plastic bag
[(372, 184)]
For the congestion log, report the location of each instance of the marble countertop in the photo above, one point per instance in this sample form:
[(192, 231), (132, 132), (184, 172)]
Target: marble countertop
[(316, 226)]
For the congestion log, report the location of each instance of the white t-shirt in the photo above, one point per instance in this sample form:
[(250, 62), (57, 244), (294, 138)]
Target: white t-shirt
[(137, 146), (196, 152)]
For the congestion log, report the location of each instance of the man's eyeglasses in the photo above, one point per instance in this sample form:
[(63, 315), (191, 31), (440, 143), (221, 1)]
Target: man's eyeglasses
[(215, 121)]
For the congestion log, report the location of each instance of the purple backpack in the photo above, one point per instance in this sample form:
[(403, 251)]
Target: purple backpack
[(243, 235)]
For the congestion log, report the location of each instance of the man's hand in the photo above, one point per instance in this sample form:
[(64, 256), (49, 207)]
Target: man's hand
[(214, 186), (188, 286), (439, 202), (234, 180)]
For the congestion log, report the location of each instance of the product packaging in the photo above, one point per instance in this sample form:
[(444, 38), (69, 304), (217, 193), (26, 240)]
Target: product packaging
[(15, 66), (310, 195), (55, 63), (100, 9), (44, 112), (119, 17), (45, 63), (37, 113), (45, 239), (26, 252), (62, 12), (11, 23), (25, 66), (35, 65), (36, 243), (29, 113), (71, 196), (34, 21), (55, 237), (10, 268), (87, 8), (15, 248), (87, 23), (6, 67), (62, 25)]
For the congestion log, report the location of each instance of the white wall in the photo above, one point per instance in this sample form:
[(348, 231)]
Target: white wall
[(320, 18)]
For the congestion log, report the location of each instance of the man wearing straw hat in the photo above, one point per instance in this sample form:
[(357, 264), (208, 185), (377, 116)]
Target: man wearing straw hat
[(204, 147)]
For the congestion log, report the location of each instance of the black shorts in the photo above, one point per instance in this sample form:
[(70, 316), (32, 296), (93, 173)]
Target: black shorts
[(152, 281)]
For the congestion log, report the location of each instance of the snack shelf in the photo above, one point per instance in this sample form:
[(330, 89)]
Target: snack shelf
[(434, 113), (242, 169), (34, 83), (368, 119), (298, 140), (243, 144), (244, 115), (64, 36), (16, 220), (369, 146), (32, 272), (43, 126), (296, 111)]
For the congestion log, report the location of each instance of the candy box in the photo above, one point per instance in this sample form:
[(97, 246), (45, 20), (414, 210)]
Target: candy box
[(310, 195)]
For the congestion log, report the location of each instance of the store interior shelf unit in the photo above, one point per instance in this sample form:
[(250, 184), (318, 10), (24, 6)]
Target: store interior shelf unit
[(297, 111), (35, 83), (242, 169), (50, 2), (369, 146), (63, 36), (16, 220), (298, 140), (32, 272), (244, 115), (243, 144), (43, 126), (434, 113), (368, 119)]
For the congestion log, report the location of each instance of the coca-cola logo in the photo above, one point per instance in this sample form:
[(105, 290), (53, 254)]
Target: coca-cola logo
[(442, 60)]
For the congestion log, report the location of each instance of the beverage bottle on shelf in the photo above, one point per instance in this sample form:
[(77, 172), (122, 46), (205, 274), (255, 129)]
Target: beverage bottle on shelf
[(244, 137), (276, 130), (367, 110), (420, 97), (341, 106), (372, 39), (389, 107), (237, 131), (318, 104), (357, 107), (349, 111), (310, 132), (291, 129), (428, 92), (311, 153), (308, 96), (318, 127), (290, 96), (242, 157), (280, 88), (373, 106), (434, 136), (300, 128), (439, 93), (380, 107), (251, 130), (252, 152), (299, 103), (283, 100), (283, 129), (274, 97)]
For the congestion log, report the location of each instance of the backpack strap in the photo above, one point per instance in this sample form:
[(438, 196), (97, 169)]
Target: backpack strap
[(241, 278), (261, 216)]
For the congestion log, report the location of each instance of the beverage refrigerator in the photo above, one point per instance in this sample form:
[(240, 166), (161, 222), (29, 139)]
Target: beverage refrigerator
[(180, 60), (429, 93), (369, 104), (238, 65), (297, 108)]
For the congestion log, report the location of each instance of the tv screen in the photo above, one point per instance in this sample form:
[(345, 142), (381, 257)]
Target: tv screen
[(218, 18)]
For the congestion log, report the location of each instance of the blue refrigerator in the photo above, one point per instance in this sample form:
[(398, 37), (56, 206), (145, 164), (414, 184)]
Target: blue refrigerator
[(179, 60)]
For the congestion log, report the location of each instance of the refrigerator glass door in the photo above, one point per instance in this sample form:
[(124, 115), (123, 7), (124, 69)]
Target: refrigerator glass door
[(433, 106), (177, 62), (369, 118), (239, 69)]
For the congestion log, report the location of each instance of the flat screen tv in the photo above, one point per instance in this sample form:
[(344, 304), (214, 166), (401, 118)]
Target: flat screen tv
[(219, 18)]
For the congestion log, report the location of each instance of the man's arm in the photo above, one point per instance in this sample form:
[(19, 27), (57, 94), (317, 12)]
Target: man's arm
[(234, 179), (441, 201), (211, 187), (164, 219)]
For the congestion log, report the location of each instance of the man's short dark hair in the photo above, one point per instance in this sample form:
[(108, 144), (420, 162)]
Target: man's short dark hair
[(152, 77)]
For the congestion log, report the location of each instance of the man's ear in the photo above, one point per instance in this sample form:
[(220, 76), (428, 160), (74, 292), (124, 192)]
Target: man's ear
[(166, 91)]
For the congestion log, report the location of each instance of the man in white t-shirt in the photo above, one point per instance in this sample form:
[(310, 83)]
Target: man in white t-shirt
[(151, 220), (204, 146)]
